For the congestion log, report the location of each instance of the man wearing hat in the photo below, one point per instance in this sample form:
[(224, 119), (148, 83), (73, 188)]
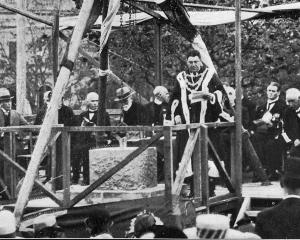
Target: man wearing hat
[(283, 220), (9, 117), (45, 226), (133, 113)]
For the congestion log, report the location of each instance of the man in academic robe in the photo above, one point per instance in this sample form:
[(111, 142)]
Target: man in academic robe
[(283, 220), (196, 98)]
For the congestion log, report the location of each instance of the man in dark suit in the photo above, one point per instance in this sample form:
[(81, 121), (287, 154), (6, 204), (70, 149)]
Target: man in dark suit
[(9, 117), (293, 100), (156, 115), (87, 140), (267, 139), (133, 113), (283, 220), (66, 117)]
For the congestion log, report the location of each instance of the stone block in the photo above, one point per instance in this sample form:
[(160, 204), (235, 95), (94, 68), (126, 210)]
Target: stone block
[(140, 173)]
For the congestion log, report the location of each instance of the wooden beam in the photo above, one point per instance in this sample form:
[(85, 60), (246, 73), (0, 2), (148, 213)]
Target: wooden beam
[(102, 83), (220, 168), (197, 168), (66, 166), (55, 42), (168, 167), (21, 59), (146, 10), (115, 169), (186, 157), (17, 167), (196, 5), (237, 181), (204, 166), (58, 91)]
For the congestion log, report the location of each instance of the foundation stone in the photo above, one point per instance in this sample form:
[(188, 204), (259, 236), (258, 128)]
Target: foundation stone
[(140, 173)]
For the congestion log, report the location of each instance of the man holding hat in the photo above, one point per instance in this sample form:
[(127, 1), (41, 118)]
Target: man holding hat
[(133, 113), (283, 220)]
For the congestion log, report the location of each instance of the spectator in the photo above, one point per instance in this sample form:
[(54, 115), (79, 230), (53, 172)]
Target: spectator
[(87, 140), (45, 226), (99, 224), (283, 220), (267, 139), (7, 224), (216, 226), (133, 113), (156, 115), (9, 117), (143, 221), (66, 117), (293, 100), (157, 110)]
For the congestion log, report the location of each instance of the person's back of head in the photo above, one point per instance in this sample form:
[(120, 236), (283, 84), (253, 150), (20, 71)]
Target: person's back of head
[(45, 226), (162, 231), (99, 222), (7, 224)]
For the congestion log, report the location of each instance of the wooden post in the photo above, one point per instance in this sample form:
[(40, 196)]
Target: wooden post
[(204, 165), (21, 59), (196, 161), (46, 128), (66, 166), (102, 80), (158, 48), (237, 181), (55, 41), (168, 168)]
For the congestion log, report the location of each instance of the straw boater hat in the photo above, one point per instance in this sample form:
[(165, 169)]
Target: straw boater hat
[(212, 225), (123, 93), (5, 95), (7, 223)]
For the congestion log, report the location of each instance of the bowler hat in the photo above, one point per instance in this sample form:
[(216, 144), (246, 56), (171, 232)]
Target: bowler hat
[(292, 168), (123, 93), (4, 95)]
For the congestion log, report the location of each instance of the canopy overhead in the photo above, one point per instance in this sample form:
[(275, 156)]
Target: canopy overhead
[(197, 18)]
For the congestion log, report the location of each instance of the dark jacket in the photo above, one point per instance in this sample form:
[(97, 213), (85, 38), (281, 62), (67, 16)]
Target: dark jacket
[(155, 113), (278, 109), (136, 115), (65, 116), (281, 221)]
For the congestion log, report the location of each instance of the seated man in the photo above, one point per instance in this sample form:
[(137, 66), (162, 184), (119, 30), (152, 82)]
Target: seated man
[(283, 220)]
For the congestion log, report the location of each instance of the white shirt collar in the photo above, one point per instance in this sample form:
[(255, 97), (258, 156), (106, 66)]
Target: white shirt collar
[(291, 196), (4, 111), (272, 101), (158, 102)]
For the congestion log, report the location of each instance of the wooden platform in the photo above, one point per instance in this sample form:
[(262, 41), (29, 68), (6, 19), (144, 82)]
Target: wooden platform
[(255, 190)]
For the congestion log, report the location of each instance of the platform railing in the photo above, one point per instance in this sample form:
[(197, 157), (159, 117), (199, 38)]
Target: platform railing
[(196, 149)]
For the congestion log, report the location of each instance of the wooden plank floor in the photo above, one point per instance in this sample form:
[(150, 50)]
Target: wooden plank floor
[(255, 190)]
